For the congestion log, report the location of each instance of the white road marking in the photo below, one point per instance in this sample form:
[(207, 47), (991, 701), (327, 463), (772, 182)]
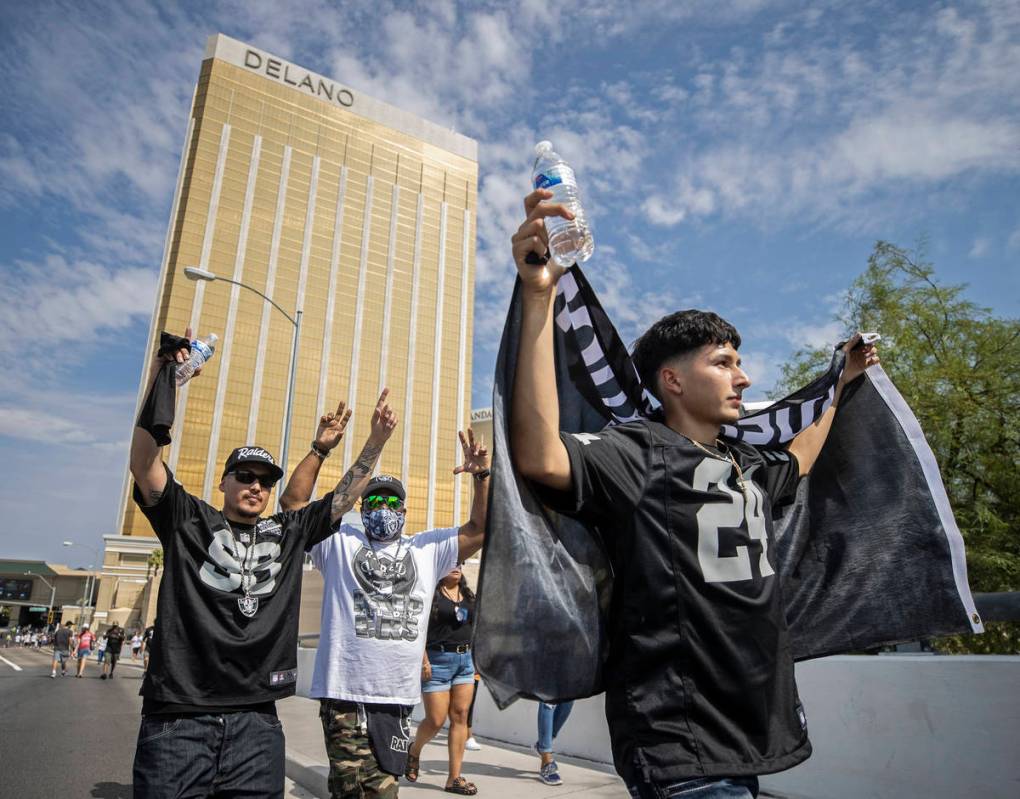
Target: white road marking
[(14, 666)]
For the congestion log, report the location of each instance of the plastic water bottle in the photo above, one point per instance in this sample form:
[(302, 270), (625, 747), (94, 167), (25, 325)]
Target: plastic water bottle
[(570, 240), (202, 350)]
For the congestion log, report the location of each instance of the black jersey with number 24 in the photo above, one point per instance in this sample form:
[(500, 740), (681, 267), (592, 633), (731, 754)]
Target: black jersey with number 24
[(700, 672)]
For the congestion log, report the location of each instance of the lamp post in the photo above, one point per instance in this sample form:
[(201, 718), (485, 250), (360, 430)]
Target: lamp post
[(53, 591), (194, 273), (90, 579)]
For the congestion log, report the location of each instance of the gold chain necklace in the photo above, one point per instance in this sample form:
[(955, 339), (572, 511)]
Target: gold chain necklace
[(729, 457)]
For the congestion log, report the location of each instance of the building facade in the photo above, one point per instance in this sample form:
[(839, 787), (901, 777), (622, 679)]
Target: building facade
[(359, 215), (34, 593), (355, 213)]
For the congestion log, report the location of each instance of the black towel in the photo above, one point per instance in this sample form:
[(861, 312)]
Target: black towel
[(157, 416)]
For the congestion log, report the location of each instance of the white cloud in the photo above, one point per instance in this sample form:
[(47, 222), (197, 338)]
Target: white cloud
[(980, 247), (821, 126), (1014, 240), (56, 302)]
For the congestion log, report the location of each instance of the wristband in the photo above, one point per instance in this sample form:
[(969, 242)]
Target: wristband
[(483, 475), (321, 453)]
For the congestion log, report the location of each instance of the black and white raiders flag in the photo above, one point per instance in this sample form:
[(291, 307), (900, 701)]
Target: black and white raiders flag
[(869, 553)]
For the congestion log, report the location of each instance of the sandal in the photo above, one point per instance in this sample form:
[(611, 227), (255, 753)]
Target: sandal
[(411, 770), (462, 786)]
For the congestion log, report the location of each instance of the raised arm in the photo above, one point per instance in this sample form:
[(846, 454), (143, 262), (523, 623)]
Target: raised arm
[(347, 491), (538, 452), (302, 480), (809, 441), (146, 464), (476, 463)]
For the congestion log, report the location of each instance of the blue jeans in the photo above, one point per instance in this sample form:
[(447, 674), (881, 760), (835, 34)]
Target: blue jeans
[(223, 755), (698, 788), (551, 719)]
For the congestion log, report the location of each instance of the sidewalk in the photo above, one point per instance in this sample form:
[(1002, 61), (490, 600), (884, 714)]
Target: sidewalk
[(499, 770)]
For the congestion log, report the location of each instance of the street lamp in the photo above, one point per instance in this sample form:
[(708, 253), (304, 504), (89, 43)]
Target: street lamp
[(90, 579), (195, 273), (53, 592)]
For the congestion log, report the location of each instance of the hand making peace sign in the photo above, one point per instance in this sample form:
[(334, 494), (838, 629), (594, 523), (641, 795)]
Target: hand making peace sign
[(332, 426), (384, 420), (476, 456)]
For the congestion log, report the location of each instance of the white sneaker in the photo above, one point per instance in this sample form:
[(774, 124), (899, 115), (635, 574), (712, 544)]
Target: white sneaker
[(53, 675), (472, 745)]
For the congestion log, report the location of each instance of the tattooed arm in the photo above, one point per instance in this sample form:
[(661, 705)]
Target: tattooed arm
[(348, 490), (302, 481), (476, 463), (146, 464)]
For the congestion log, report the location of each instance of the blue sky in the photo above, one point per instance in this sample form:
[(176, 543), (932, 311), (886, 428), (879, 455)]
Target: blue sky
[(740, 156)]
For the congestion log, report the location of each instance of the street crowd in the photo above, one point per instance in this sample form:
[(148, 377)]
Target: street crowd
[(76, 646), (699, 713)]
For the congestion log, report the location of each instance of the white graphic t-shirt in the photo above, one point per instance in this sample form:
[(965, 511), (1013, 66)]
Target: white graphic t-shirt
[(375, 613)]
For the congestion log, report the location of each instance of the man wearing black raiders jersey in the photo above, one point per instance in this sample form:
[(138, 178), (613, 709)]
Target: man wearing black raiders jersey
[(701, 695), (225, 643)]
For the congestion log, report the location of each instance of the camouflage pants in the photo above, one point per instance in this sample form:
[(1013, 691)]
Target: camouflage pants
[(354, 772)]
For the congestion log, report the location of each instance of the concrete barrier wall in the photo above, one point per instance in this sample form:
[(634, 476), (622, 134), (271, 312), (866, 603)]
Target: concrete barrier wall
[(886, 726)]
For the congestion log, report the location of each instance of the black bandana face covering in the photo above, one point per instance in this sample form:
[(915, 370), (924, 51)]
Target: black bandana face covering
[(383, 524)]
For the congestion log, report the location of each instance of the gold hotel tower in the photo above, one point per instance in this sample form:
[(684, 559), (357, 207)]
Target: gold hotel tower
[(358, 214)]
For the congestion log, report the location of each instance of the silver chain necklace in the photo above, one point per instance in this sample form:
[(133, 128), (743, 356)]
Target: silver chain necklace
[(247, 604)]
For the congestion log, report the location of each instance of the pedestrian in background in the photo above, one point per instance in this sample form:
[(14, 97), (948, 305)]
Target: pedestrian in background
[(551, 719), (147, 636), (86, 641), (471, 744), (114, 642), (447, 677), (63, 641)]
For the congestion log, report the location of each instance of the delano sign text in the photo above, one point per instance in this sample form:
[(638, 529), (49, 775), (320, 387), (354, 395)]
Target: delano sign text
[(278, 70)]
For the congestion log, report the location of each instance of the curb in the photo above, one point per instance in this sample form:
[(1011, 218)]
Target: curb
[(310, 775)]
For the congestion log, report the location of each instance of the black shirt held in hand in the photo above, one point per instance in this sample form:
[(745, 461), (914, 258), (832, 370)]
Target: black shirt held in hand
[(444, 626), (700, 674), (210, 651)]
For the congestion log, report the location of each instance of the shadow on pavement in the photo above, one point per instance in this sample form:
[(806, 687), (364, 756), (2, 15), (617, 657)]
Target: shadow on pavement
[(111, 790), (432, 769)]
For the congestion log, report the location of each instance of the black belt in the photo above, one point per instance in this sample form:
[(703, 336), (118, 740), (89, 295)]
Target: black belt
[(460, 649)]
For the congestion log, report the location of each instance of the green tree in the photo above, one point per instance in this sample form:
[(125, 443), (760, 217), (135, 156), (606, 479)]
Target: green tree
[(958, 367), (154, 563)]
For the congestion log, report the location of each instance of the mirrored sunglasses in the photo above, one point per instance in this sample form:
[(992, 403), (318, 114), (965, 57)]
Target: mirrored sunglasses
[(374, 502), (247, 478)]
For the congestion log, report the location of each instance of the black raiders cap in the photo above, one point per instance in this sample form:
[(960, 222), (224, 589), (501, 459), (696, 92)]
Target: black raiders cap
[(384, 482), (252, 455)]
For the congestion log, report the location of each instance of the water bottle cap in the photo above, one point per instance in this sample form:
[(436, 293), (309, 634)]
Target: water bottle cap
[(211, 338), (543, 147)]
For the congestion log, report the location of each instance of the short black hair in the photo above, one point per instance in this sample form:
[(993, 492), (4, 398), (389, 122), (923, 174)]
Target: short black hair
[(678, 334)]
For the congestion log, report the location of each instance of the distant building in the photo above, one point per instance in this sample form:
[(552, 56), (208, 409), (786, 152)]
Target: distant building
[(31, 589)]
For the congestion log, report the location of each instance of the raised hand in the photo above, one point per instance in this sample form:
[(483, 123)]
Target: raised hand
[(179, 356), (476, 456), (332, 426), (531, 242), (384, 420), (859, 356)]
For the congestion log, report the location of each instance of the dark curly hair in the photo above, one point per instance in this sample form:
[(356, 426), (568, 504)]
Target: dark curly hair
[(465, 591), (678, 334)]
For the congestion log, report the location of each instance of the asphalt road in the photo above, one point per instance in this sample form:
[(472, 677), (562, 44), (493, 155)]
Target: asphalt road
[(66, 737), (69, 738)]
